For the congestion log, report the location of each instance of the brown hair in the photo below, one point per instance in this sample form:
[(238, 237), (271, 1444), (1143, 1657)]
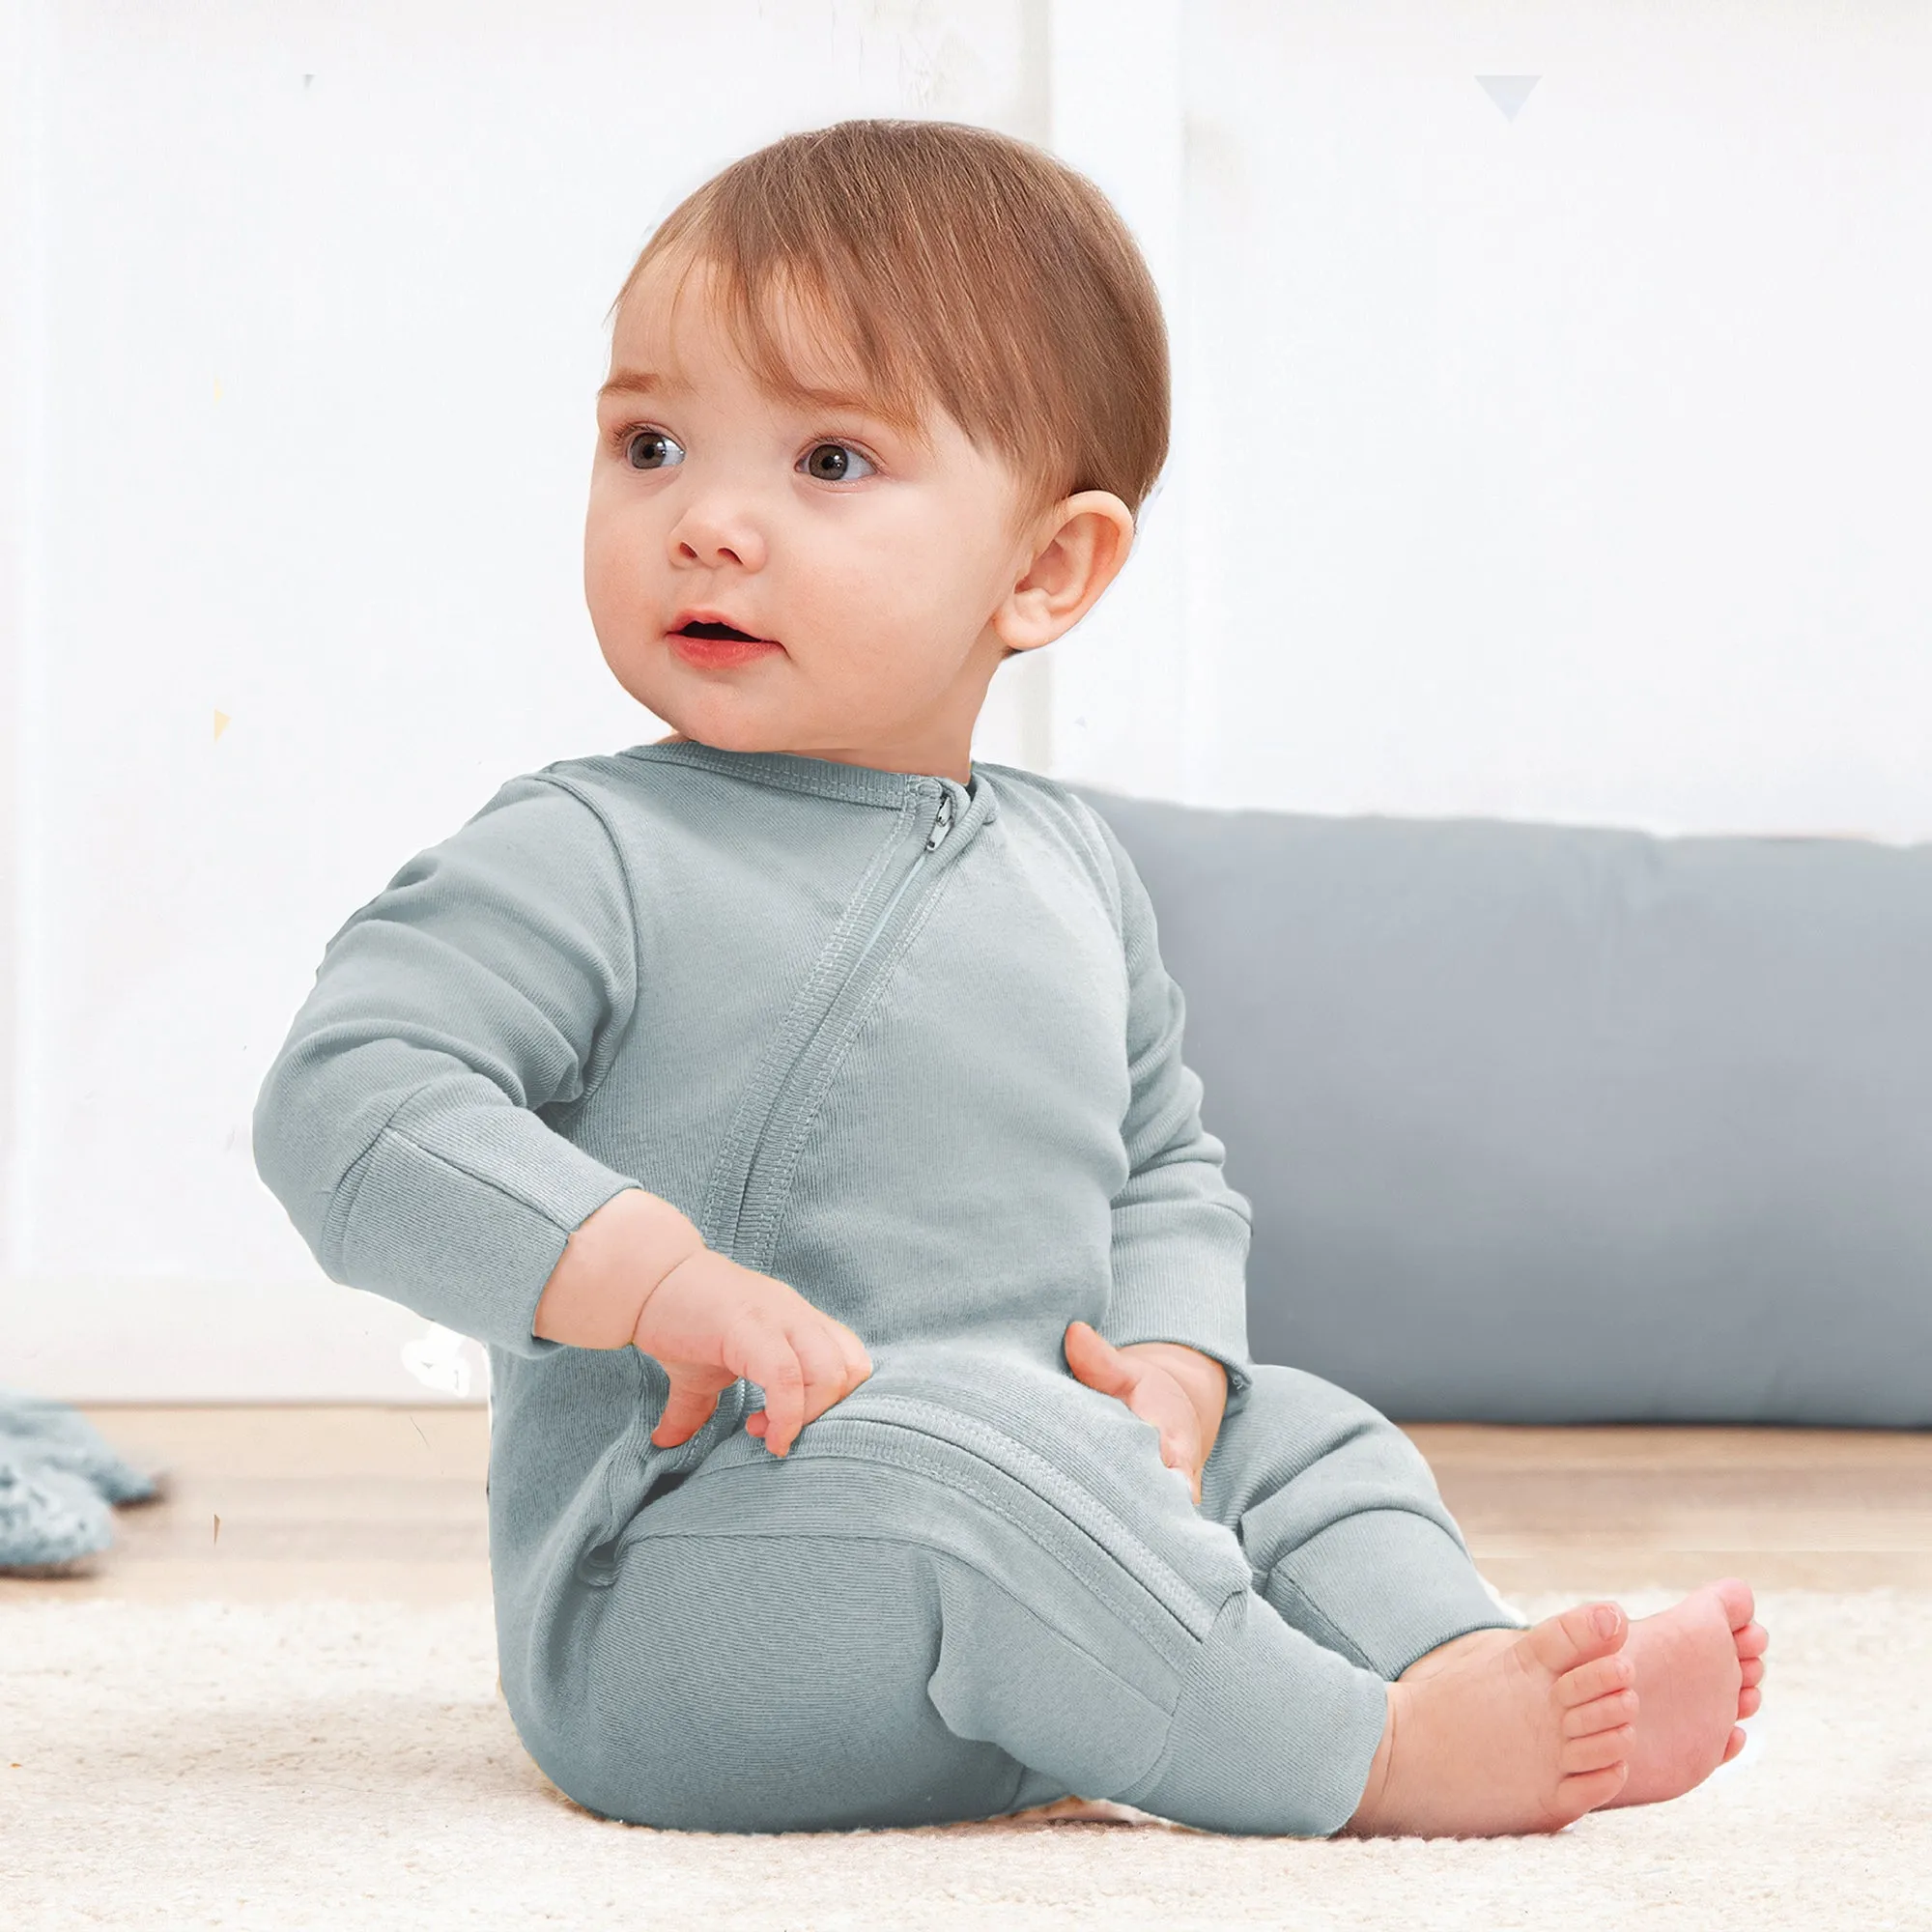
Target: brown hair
[(962, 266)]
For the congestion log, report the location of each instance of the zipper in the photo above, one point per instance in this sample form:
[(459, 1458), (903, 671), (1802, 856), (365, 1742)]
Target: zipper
[(590, 1568), (936, 836), (942, 824)]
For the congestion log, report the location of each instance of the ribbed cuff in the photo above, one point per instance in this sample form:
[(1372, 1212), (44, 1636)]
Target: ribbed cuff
[(1237, 1368), (464, 1217), (1191, 1290), (1384, 1587), (1269, 1733)]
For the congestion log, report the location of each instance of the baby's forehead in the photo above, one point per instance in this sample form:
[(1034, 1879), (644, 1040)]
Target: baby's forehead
[(681, 326)]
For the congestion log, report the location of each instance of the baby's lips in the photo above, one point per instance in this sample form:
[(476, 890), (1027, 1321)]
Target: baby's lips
[(713, 625)]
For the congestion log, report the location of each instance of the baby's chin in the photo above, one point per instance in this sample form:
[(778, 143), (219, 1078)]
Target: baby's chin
[(749, 709), (728, 718), (728, 729)]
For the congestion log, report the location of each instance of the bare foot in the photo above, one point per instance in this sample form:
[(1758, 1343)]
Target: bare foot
[(1521, 1732), (1698, 1668)]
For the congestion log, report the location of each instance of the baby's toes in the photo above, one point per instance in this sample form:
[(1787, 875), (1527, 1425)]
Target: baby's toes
[(1751, 1672), (1596, 1679), (1734, 1594), (1599, 1751), (1748, 1701), (1586, 1790), (1752, 1640), (1602, 1714), (1560, 1644), (1733, 1745)]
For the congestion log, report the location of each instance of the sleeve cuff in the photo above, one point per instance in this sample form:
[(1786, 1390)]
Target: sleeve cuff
[(1190, 1289), (464, 1218)]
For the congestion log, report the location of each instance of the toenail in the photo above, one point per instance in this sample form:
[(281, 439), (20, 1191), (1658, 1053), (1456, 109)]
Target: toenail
[(1604, 1617)]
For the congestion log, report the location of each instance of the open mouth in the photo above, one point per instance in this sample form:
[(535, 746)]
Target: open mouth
[(717, 632)]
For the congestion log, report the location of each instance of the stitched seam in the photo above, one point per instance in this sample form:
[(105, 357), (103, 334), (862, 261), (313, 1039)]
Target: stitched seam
[(903, 1459), (1344, 1645), (723, 1188), (1087, 823), (619, 1032), (1121, 1206), (1095, 830), (1139, 1608), (1315, 1604), (778, 1191), (909, 1541), (358, 1168), (803, 1018), (469, 1173), (1041, 1479), (1066, 1636)]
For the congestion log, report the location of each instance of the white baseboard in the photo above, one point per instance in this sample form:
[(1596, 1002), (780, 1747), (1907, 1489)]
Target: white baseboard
[(216, 1341)]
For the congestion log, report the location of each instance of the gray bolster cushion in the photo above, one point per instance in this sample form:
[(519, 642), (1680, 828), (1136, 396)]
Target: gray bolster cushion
[(1551, 1124)]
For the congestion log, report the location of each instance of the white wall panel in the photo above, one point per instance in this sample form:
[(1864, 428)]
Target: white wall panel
[(1568, 466)]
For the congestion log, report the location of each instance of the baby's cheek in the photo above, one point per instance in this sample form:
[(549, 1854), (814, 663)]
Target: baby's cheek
[(866, 638), (615, 579)]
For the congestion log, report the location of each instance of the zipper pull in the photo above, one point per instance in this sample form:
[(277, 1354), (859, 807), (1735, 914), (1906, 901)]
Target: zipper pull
[(943, 824)]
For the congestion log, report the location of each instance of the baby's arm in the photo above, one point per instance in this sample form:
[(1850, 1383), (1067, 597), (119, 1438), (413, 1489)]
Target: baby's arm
[(402, 1124), (1180, 1233)]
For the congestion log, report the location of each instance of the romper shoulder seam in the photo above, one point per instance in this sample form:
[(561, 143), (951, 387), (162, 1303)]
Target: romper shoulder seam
[(1087, 829), (582, 794)]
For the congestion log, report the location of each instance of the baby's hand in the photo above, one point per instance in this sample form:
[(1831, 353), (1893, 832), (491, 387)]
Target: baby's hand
[(1188, 1418), (710, 1321)]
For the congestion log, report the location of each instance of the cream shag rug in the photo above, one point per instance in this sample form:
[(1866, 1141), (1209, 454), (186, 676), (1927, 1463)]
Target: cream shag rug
[(350, 1764)]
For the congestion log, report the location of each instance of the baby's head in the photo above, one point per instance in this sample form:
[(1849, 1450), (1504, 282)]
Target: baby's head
[(884, 401)]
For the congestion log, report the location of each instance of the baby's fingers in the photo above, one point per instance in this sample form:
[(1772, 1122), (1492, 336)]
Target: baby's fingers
[(1179, 1455), (858, 1363), (809, 1374), (1180, 1441), (688, 1407), (763, 1354), (830, 1372)]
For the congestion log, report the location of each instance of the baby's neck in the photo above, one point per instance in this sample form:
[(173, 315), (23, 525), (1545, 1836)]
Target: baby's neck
[(678, 738)]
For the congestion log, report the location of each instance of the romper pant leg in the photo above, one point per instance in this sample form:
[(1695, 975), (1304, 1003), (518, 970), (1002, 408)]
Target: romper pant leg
[(1343, 1525), (971, 1587)]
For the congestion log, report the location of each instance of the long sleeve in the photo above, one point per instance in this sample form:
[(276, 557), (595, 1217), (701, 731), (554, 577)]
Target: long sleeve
[(1181, 1233), (398, 1124)]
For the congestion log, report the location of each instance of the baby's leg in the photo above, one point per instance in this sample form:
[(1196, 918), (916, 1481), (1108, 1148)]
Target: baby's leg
[(972, 1586), (1350, 1542), (740, 1677)]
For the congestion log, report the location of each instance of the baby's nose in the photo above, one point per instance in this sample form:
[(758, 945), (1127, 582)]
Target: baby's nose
[(714, 533)]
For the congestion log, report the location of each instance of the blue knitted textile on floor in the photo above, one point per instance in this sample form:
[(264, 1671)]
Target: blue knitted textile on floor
[(58, 1481)]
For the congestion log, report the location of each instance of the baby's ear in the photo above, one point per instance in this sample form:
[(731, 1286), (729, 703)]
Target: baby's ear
[(1084, 542)]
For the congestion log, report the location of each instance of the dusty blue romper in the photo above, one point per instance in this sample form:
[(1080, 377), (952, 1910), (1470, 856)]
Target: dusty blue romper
[(908, 1045)]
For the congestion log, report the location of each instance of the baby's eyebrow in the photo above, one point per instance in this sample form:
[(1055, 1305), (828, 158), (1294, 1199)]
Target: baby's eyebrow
[(649, 382), (641, 383)]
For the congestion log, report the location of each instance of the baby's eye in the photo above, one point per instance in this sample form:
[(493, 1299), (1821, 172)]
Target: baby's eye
[(651, 449), (833, 462)]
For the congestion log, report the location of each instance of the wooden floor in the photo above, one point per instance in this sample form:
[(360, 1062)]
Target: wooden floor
[(287, 1501)]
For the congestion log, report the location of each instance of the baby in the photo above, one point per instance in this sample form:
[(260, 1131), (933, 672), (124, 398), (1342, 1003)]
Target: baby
[(796, 1110)]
